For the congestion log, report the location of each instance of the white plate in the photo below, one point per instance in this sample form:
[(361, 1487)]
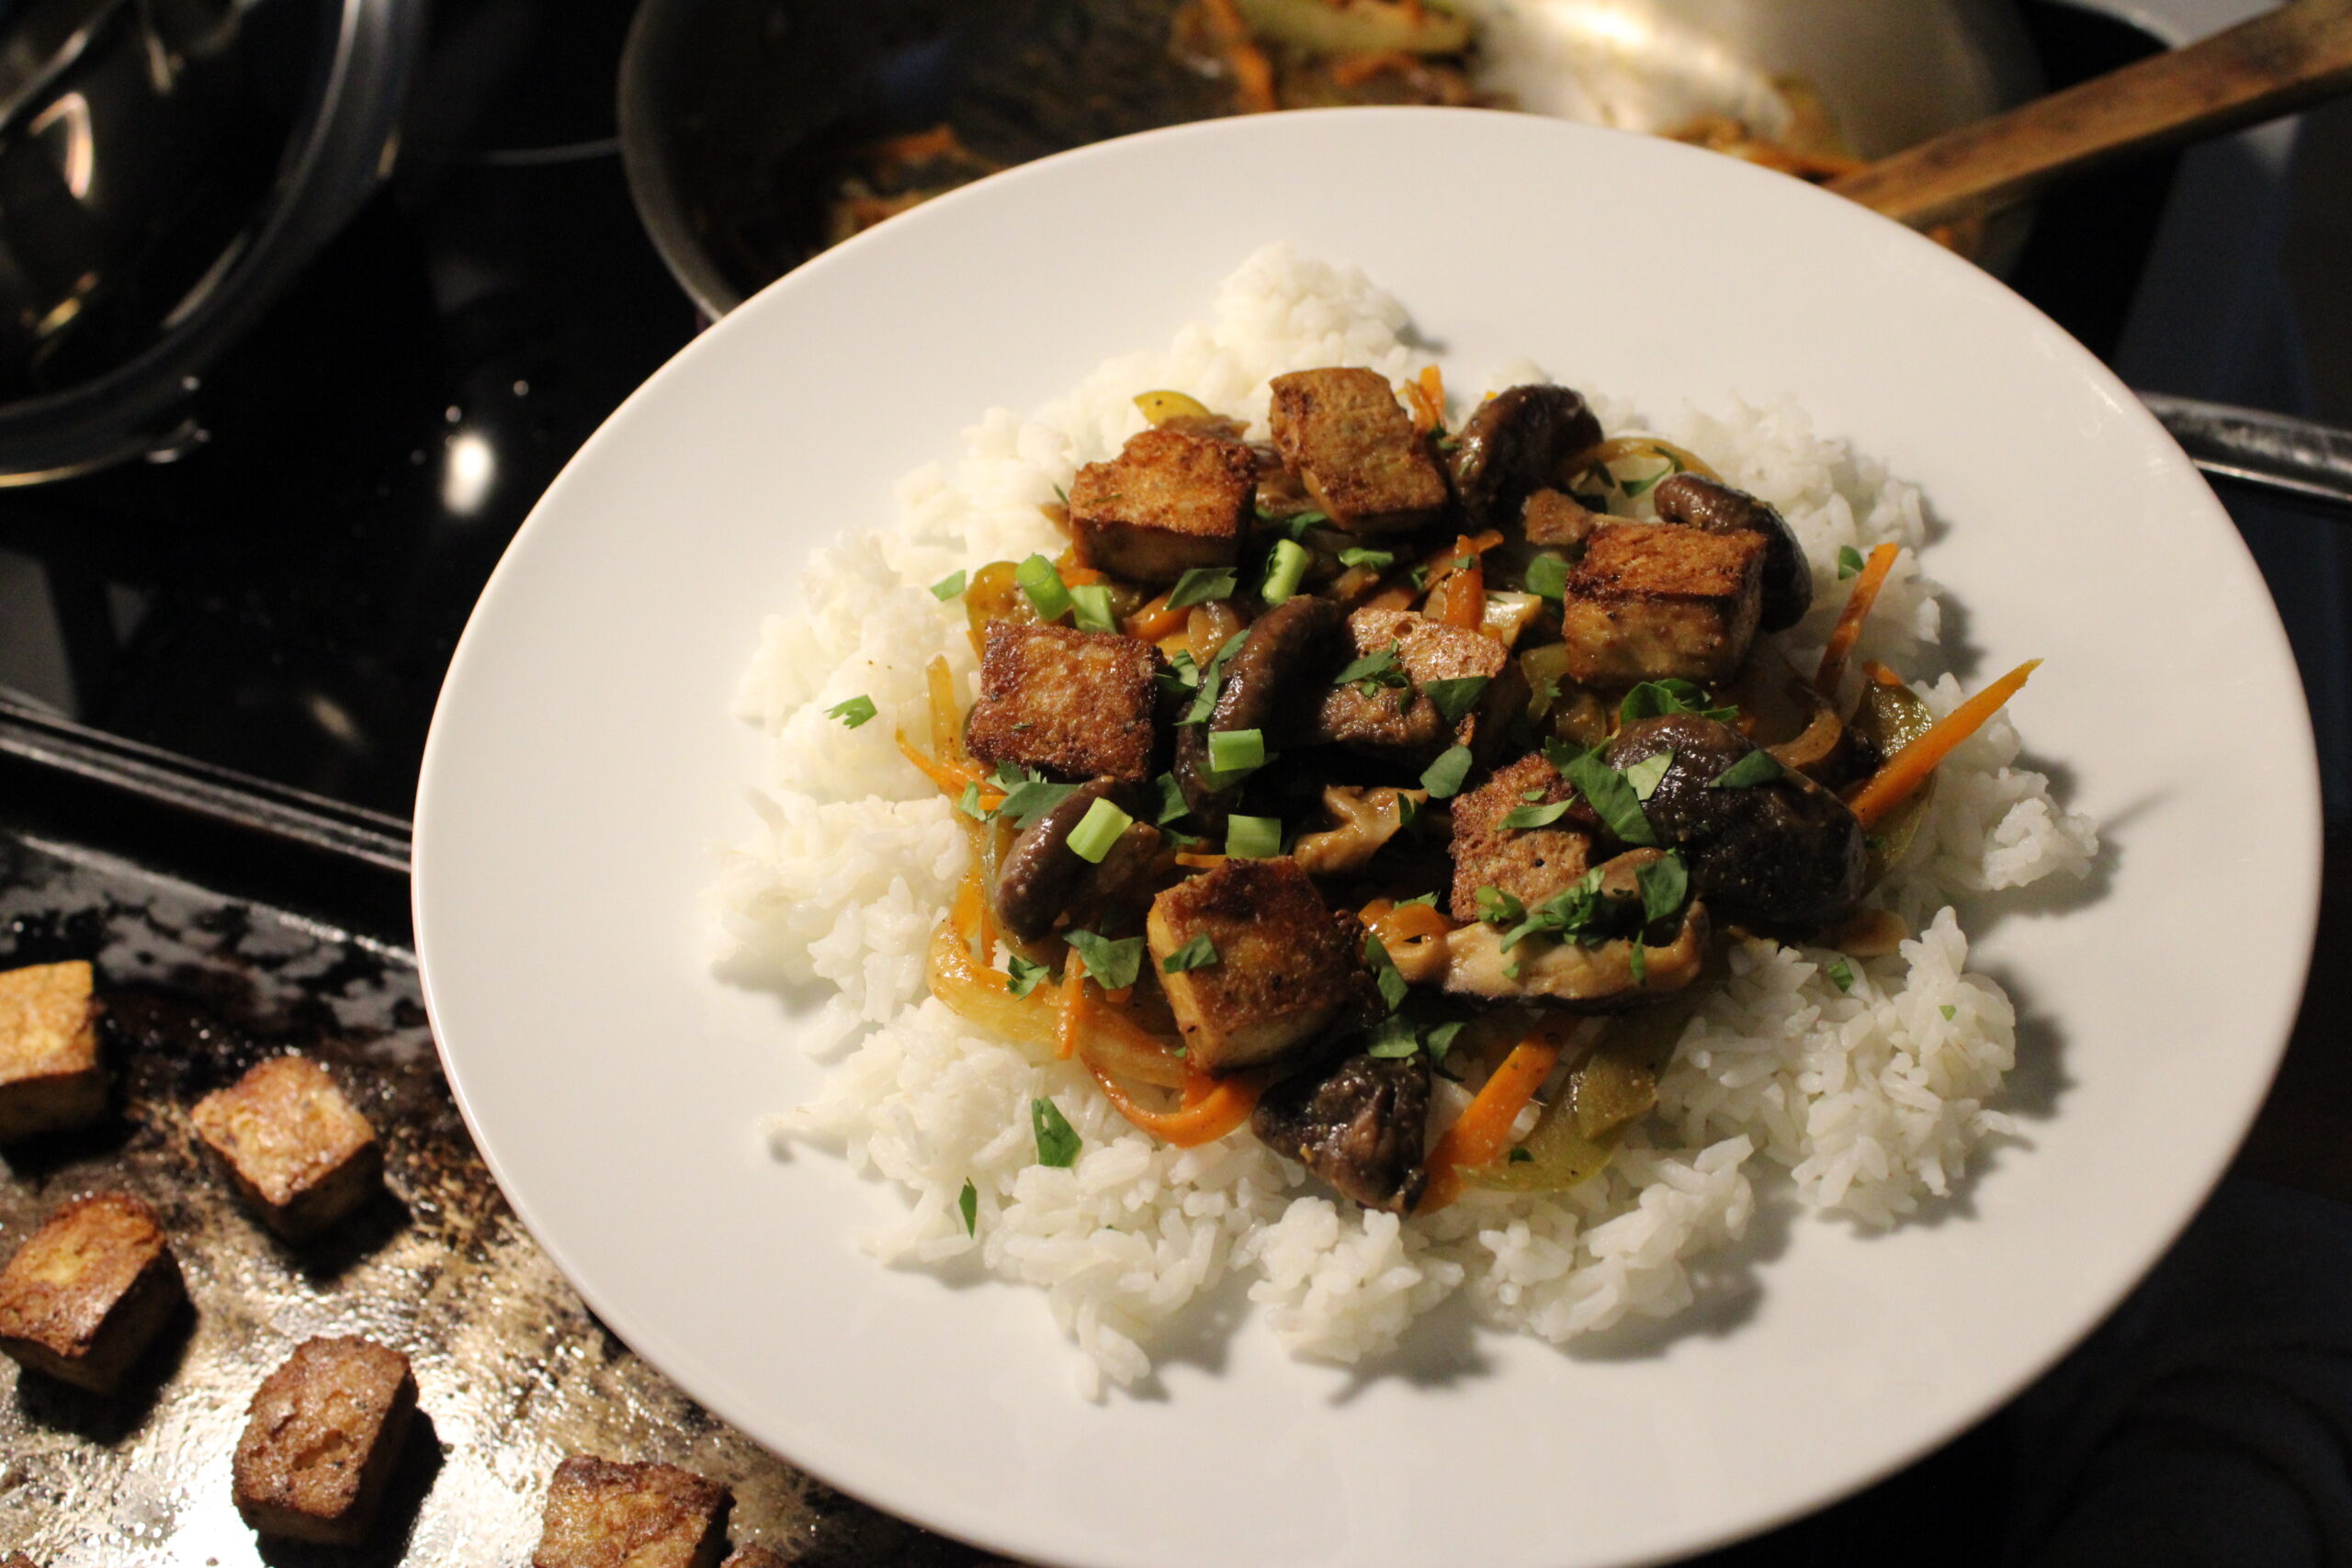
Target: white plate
[(582, 764)]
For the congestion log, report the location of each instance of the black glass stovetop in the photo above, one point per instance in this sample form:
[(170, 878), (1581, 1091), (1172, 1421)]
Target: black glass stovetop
[(282, 601)]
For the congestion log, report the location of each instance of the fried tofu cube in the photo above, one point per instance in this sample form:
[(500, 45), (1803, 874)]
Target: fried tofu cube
[(601, 1514), (1558, 519), (299, 1152), (1533, 864), (1352, 444), (753, 1557), (51, 1078), (1077, 704), (1381, 715), (89, 1291), (1653, 600), (322, 1440), (1168, 502), (1285, 965)]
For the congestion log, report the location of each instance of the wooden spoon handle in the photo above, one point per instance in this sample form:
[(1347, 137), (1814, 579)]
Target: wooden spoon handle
[(2276, 64)]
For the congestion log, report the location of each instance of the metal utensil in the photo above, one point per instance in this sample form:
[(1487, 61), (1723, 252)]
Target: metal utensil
[(2294, 458)]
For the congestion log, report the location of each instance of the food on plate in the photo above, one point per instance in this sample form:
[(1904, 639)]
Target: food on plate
[(1480, 889), (321, 1439), (89, 1291), (300, 1153), (601, 1513), (50, 1077), (752, 1557)]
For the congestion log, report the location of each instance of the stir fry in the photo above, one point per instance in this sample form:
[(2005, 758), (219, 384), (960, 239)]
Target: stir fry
[(1323, 765)]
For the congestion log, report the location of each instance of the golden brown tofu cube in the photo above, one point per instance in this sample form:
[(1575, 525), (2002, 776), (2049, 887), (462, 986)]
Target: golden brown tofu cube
[(1075, 703), (296, 1149), (753, 1557), (1533, 865), (1653, 600), (1402, 719), (322, 1440), (1344, 435), (1168, 502), (50, 1074), (1285, 965), (89, 1291), (1558, 519), (601, 1514)]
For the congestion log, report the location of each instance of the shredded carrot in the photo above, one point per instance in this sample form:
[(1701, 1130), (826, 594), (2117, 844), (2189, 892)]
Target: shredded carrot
[(1440, 563), (1396, 924), (1156, 620), (1908, 769), (1355, 70), (964, 913), (1253, 75), (1647, 447), (1206, 1116), (1201, 862), (1849, 620), (949, 776), (946, 734), (1426, 393), (1881, 675), (1073, 1008), (915, 146), (1479, 1134)]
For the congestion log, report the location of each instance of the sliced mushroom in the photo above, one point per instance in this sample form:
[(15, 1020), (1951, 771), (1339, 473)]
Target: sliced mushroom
[(1363, 819), (1785, 853), (1359, 1124), (1597, 978), (1719, 509), (1041, 879), (1515, 444), (1277, 666)]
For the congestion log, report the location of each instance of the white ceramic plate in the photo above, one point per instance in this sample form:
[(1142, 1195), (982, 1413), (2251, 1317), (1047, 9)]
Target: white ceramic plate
[(582, 764)]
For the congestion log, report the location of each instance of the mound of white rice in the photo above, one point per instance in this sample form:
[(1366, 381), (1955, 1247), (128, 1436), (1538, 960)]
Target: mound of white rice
[(1863, 1102)]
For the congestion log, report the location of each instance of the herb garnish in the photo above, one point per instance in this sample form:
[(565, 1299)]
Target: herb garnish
[(1091, 604), (1444, 777), (1664, 883), (1098, 831), (1253, 838), (1393, 1037), (1547, 577), (1384, 974), (1113, 965), (1520, 1156), (1611, 796), (1537, 816), (1949, 1011), (1841, 974), (1455, 697), (1378, 560), (1041, 580), (1498, 908), (947, 587), (1673, 694), (1172, 804), (1373, 670), (1648, 774), (852, 713), (1755, 768), (1850, 562), (1058, 1141), (1212, 679), (1197, 953), (1025, 976), (1027, 793), (1203, 583)]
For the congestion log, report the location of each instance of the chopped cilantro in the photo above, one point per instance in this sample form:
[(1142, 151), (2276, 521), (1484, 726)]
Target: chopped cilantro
[(1373, 670), (852, 712), (1200, 584), (1520, 1156), (1648, 774), (1755, 768), (1547, 577), (1025, 976), (1384, 973), (1212, 680), (1664, 883), (1427, 899), (1377, 561), (1027, 793), (1440, 1040), (1612, 797), (1498, 908), (1673, 694), (1637, 961), (1172, 799), (947, 587), (1537, 816), (968, 803), (1058, 1141), (1393, 1037), (1113, 965), (1949, 1011), (1444, 777), (1850, 562), (1197, 953), (1455, 697), (968, 1203)]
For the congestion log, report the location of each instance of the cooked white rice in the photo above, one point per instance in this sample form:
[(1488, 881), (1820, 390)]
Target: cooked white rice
[(1863, 1102)]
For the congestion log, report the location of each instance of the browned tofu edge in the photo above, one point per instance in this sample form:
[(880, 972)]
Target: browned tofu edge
[(279, 1498), (91, 1335), (1035, 711), (1488, 854), (1343, 432), (51, 1075), (1169, 501), (297, 1198), (587, 1493), (1239, 1012)]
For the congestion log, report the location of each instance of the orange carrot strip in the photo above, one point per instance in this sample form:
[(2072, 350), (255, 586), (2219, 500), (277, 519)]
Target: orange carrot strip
[(1881, 675), (1355, 70), (946, 732), (1609, 451), (1201, 862), (1073, 1007), (1205, 1118), (1253, 76), (949, 777), (1156, 620), (1426, 393), (1909, 768), (1849, 620), (1466, 597), (1396, 924), (1477, 1137)]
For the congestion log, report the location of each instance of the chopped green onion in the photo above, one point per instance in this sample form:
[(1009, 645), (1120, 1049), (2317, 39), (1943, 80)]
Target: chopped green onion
[(852, 713), (1357, 555), (1537, 816), (1648, 774), (1284, 570), (1444, 777), (1384, 974), (1114, 965), (1664, 883), (1850, 562), (1612, 797), (1755, 768), (1253, 838), (1025, 976), (1098, 831), (947, 587), (1637, 961), (1520, 1156), (1200, 584), (1234, 751), (1093, 605), (1455, 697), (1949, 1011), (1547, 577), (968, 1203), (1301, 523), (1058, 1141), (1197, 953), (1041, 580), (1841, 974)]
